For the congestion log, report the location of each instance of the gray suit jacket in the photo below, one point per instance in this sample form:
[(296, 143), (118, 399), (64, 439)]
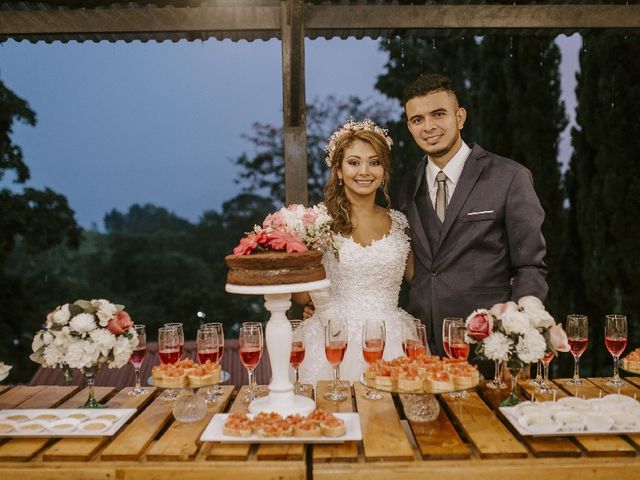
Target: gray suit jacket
[(490, 248)]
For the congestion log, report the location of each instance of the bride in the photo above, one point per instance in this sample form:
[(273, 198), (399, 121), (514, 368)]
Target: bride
[(373, 251)]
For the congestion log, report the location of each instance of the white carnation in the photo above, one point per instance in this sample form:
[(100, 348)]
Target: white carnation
[(121, 352), (61, 337), (37, 342), (531, 346), (105, 311), (80, 354), (61, 315), (83, 323), (515, 322), (497, 346), (103, 341), (53, 356)]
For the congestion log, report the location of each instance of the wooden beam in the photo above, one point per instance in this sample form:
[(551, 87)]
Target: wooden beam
[(349, 18), (294, 102), (148, 19)]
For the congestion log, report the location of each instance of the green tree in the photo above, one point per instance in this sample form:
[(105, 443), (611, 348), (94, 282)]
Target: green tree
[(604, 186), (144, 219)]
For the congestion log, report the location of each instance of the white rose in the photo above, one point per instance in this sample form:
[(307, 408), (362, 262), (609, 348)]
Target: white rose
[(541, 320), (515, 322), (83, 323), (531, 346), (47, 338), (37, 342), (61, 315), (531, 303), (106, 310)]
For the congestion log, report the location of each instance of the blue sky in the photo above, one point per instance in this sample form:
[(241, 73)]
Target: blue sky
[(160, 123)]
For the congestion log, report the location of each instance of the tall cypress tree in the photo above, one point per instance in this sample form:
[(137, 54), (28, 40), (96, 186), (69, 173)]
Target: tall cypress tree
[(604, 184)]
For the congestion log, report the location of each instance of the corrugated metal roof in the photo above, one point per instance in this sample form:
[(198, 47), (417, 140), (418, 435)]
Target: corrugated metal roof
[(174, 20), (125, 377)]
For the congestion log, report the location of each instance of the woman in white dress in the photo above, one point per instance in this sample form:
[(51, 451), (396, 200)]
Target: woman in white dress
[(373, 252)]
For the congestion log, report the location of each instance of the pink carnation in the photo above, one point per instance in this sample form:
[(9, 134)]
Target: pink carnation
[(479, 324), (249, 243), (286, 241), (558, 339), (275, 221)]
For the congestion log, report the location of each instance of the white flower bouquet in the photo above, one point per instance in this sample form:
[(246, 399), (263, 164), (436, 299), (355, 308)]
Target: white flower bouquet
[(85, 334)]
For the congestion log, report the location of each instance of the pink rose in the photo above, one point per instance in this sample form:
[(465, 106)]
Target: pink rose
[(249, 243), (309, 217), (120, 322), (479, 324), (502, 308), (558, 339), (286, 241), (275, 221)]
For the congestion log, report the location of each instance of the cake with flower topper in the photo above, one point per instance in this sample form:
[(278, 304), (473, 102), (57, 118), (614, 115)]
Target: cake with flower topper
[(286, 248)]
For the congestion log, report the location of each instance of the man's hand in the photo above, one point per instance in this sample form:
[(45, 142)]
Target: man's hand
[(309, 310)]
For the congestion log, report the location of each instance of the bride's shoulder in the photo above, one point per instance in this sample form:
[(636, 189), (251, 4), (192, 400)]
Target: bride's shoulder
[(398, 219)]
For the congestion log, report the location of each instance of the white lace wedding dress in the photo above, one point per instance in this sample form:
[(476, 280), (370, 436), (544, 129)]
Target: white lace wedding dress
[(365, 283)]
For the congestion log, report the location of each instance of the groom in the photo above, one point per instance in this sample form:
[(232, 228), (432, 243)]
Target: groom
[(475, 218)]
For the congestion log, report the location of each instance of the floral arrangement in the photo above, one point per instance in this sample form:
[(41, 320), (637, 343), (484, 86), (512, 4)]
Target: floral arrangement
[(4, 370), (515, 333), (85, 334), (295, 228), (351, 126)]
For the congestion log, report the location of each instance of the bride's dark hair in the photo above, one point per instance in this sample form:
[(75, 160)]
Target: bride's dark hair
[(335, 197)]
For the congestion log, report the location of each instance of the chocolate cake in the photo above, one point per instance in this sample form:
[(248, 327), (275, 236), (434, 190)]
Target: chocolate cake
[(275, 268)]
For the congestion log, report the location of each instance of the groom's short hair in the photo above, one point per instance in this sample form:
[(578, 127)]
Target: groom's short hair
[(427, 83)]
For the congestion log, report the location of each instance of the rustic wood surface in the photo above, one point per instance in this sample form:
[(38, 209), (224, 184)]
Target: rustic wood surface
[(468, 439)]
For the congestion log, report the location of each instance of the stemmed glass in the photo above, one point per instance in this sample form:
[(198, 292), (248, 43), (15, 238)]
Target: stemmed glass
[(179, 327), (297, 352), (459, 349), (335, 345), (538, 381), (445, 333), (137, 357), (578, 335), (216, 391), (373, 340), (251, 343), (497, 383), (615, 338), (415, 340), (207, 350), (169, 353), (546, 361)]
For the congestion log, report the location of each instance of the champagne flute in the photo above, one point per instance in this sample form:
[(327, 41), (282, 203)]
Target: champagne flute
[(615, 339), (445, 333), (179, 327), (137, 357), (335, 345), (373, 340), (207, 351), (578, 335), (169, 353), (459, 349), (297, 352), (538, 381), (216, 391), (415, 340), (546, 361), (251, 344), (497, 383)]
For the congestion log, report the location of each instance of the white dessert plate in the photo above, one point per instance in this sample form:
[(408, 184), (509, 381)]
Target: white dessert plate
[(213, 432), (60, 427)]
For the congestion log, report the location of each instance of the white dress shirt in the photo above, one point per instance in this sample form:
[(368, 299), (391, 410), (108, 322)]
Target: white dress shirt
[(453, 170)]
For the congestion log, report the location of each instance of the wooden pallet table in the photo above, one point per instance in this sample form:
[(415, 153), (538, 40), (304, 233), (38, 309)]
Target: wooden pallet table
[(468, 439)]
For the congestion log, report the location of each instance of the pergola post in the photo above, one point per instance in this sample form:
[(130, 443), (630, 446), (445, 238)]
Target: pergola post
[(294, 102)]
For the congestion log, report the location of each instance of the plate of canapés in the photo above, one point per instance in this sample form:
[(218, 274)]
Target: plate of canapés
[(421, 374), (186, 374), (631, 363)]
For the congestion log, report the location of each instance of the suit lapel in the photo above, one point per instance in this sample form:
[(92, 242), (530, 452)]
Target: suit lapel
[(470, 173), (423, 253)]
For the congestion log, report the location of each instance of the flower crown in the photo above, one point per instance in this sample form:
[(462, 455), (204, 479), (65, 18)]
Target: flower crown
[(351, 126)]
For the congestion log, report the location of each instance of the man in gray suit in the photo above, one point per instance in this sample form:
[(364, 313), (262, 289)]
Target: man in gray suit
[(475, 218)]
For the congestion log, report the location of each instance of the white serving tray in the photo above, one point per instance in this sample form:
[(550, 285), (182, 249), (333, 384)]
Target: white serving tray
[(111, 426), (213, 432), (513, 415)]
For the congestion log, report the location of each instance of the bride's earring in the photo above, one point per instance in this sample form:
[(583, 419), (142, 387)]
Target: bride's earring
[(339, 181)]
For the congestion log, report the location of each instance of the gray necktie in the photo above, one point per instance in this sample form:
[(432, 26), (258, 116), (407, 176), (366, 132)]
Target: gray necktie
[(441, 195)]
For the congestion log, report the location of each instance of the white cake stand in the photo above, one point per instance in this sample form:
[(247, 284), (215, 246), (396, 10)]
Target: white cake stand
[(278, 336)]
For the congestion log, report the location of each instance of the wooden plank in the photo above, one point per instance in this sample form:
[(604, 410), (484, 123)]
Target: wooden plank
[(19, 449), (17, 395), (334, 452), (82, 449), (131, 443), (293, 451), (489, 436), (633, 380), (596, 445), (181, 441), (233, 451), (626, 388), (439, 440), (383, 437)]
